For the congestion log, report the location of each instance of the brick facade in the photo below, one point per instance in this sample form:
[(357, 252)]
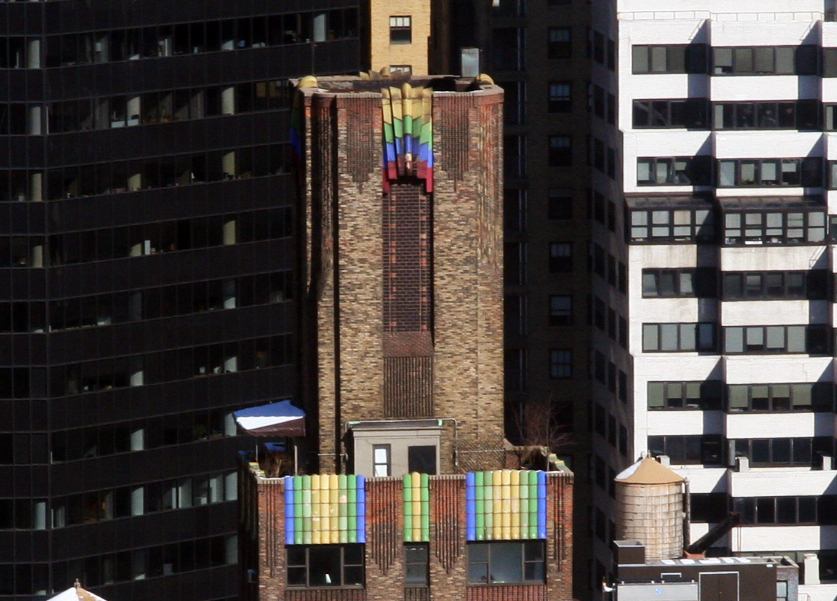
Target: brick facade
[(402, 311), (401, 318), (263, 540)]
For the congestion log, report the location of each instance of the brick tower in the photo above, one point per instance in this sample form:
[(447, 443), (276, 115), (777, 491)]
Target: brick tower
[(402, 264), (401, 491)]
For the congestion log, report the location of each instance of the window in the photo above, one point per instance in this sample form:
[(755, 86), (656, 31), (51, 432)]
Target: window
[(830, 117), (561, 310), (801, 114), (509, 48), (783, 451), (560, 257), (774, 227), (688, 450), (416, 564), (671, 337), (689, 113), (678, 225), (381, 460), (667, 171), (805, 172), (421, 459), (685, 395), (812, 339), (560, 364), (514, 102), (776, 510), (669, 59), (560, 151), (765, 60), (779, 397), (514, 210), (559, 44), (514, 369), (325, 565), (560, 203), (514, 263), (514, 156), (560, 97), (780, 285), (673, 283), (708, 507), (401, 70), (517, 562), (596, 100), (514, 311), (400, 30)]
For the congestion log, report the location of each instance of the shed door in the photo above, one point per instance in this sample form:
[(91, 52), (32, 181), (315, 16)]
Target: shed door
[(719, 587)]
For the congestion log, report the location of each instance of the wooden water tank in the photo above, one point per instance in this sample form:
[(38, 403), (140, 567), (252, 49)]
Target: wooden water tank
[(649, 508)]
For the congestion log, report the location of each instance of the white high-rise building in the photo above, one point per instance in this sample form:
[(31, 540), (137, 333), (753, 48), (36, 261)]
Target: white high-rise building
[(728, 114)]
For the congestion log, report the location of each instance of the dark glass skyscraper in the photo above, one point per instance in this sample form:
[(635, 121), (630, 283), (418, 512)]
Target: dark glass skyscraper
[(146, 270)]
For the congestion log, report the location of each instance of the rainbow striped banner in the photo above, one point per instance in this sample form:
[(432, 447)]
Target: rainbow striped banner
[(408, 133), (416, 508), (325, 509), (505, 505)]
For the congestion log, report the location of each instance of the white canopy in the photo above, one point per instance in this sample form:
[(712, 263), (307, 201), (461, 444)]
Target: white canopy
[(275, 419), (76, 593)]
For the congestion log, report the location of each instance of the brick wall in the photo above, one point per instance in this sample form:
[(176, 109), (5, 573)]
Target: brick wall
[(360, 324), (384, 553)]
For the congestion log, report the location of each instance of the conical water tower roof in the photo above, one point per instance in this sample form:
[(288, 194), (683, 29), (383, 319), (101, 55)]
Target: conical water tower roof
[(649, 471)]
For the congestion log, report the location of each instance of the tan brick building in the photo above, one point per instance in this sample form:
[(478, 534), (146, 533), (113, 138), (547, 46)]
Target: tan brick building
[(402, 487), (398, 35)]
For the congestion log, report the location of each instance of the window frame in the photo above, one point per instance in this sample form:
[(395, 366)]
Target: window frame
[(815, 285), (699, 449), (750, 507), (387, 464), (679, 171), (703, 282), (307, 565), (678, 58), (492, 547), (561, 362), (804, 115), (557, 49), (559, 103), (677, 113), (400, 29), (653, 342), (796, 226), (560, 150), (560, 257), (422, 562), (560, 203), (744, 60), (755, 339), (675, 396), (807, 172), (819, 397), (560, 316), (640, 226)]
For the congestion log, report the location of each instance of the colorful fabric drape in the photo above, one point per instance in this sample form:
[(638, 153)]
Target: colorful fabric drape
[(325, 509), (505, 505), (408, 133)]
